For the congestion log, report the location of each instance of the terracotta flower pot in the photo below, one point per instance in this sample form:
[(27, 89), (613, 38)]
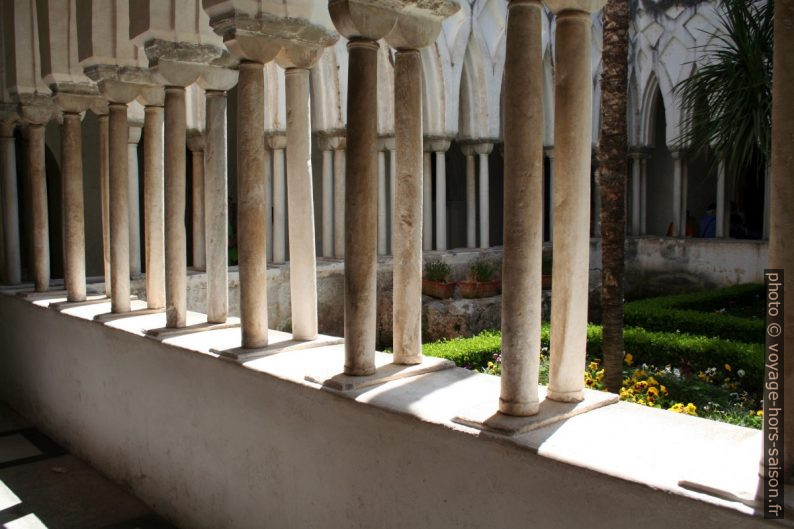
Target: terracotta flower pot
[(477, 289), (438, 289)]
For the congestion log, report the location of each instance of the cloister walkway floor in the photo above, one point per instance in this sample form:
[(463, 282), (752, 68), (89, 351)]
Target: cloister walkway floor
[(43, 486)]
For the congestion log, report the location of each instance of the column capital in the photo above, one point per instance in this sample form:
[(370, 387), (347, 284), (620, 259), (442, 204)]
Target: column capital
[(435, 144), (472, 147), (276, 139), (386, 143), (582, 6), (37, 110), (195, 142), (418, 29), (331, 141)]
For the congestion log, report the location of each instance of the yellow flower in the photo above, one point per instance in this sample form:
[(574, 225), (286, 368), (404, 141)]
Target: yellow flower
[(653, 392), (600, 375), (652, 381), (727, 367), (663, 389), (677, 407), (629, 359), (760, 413), (640, 373), (691, 409), (593, 366)]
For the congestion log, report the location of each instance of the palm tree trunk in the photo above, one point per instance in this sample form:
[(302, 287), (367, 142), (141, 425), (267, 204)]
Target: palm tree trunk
[(612, 168)]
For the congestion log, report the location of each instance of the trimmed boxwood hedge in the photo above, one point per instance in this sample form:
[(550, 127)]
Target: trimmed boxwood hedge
[(651, 347), (696, 314)]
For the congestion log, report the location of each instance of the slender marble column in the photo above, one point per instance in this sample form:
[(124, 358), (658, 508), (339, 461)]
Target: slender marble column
[(427, 202), (644, 195), (196, 146), (328, 203), (440, 148), (153, 206), (361, 203), (407, 242), (471, 197), (251, 204), (392, 193), (10, 197), (684, 191), (302, 262), (483, 150), (635, 193), (340, 161), (677, 179), (119, 206), (279, 201), (72, 209), (572, 143), (104, 195), (268, 157), (41, 225), (523, 210), (382, 240), (720, 214), (216, 208), (134, 196), (175, 239)]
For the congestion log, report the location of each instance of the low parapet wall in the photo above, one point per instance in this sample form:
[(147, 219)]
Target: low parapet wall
[(210, 443)]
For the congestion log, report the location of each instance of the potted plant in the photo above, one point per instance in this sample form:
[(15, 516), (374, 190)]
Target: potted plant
[(435, 282), (482, 282)]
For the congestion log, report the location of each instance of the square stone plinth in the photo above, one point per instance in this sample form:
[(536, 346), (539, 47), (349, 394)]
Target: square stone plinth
[(486, 416), (331, 375), (279, 342), (137, 308), (90, 300), (163, 333)]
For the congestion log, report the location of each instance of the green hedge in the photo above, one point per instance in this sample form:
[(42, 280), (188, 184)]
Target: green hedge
[(655, 348), (695, 314)]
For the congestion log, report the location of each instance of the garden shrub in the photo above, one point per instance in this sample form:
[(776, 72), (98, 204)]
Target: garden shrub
[(700, 313)]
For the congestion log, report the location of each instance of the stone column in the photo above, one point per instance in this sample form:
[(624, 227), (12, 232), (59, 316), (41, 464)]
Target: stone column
[(361, 202), (41, 226), (407, 230), (440, 148), (72, 207), (549, 151), (572, 142), (250, 204), (278, 143), (382, 213), (523, 209), (328, 203), (643, 195), (175, 242), (303, 267), (719, 221), (104, 195), (471, 197), (268, 157), (119, 208), (195, 142), (635, 193), (216, 208), (10, 204), (153, 206), (483, 150), (781, 215), (427, 201), (134, 196), (390, 146), (684, 191), (340, 161), (677, 197)]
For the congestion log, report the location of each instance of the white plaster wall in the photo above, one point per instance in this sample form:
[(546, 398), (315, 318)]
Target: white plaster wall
[(209, 443)]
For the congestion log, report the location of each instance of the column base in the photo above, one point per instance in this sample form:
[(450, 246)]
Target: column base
[(162, 333), (137, 308), (90, 300), (486, 418), (329, 376), (565, 396), (278, 342)]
